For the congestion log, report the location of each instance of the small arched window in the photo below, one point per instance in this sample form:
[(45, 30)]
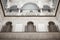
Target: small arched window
[(30, 6)]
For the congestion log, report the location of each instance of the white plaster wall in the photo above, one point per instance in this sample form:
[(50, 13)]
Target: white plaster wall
[(19, 28), (42, 27), (22, 21), (58, 16), (1, 17)]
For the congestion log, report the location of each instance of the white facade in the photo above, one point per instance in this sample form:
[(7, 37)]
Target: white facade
[(20, 22)]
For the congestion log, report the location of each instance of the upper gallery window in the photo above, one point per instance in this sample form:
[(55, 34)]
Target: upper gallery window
[(30, 6)]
